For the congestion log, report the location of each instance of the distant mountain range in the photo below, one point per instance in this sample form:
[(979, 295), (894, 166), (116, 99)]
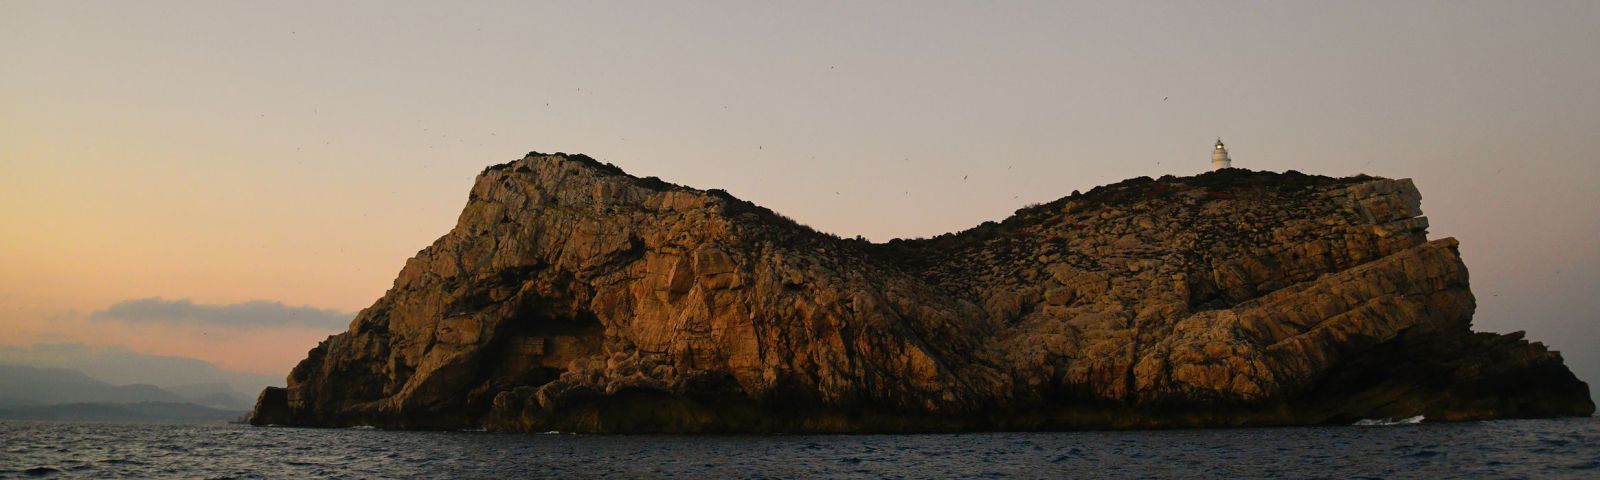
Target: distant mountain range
[(64, 394), (122, 366), (160, 412)]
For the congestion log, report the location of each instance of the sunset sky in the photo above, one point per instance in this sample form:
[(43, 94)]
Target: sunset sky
[(231, 181)]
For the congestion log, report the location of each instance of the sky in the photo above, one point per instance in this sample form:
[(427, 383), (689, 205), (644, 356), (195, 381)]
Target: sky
[(232, 181)]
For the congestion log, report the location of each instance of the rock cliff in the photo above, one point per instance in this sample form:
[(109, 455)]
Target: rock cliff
[(571, 296)]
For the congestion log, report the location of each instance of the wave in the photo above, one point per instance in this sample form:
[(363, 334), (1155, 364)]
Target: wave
[(1389, 421)]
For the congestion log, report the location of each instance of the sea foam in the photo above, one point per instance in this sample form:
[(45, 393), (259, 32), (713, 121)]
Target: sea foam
[(1389, 421)]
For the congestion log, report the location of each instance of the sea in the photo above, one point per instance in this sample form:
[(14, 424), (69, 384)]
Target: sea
[(1559, 448)]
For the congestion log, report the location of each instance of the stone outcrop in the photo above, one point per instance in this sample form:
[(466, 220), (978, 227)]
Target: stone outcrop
[(571, 296)]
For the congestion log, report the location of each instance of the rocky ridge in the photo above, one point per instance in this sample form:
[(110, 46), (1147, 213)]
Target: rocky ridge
[(571, 296)]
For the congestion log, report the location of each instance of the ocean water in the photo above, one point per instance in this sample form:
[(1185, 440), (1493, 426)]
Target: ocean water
[(1565, 448)]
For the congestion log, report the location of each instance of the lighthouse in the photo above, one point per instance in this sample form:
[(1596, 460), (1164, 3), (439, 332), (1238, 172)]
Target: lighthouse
[(1219, 157)]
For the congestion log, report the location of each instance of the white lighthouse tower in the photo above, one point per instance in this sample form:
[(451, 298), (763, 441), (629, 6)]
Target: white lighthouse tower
[(1219, 157)]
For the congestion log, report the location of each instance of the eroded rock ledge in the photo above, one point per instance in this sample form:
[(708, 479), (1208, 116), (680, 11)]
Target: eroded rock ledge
[(571, 296)]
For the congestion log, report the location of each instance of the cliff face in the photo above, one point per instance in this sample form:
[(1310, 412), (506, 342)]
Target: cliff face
[(571, 296)]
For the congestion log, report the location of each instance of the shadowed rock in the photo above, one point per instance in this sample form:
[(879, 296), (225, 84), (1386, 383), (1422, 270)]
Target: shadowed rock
[(571, 296)]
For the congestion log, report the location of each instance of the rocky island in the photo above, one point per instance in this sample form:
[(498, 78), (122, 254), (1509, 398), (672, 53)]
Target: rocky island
[(571, 296)]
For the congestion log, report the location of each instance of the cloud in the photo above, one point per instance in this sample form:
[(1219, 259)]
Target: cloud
[(255, 314)]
